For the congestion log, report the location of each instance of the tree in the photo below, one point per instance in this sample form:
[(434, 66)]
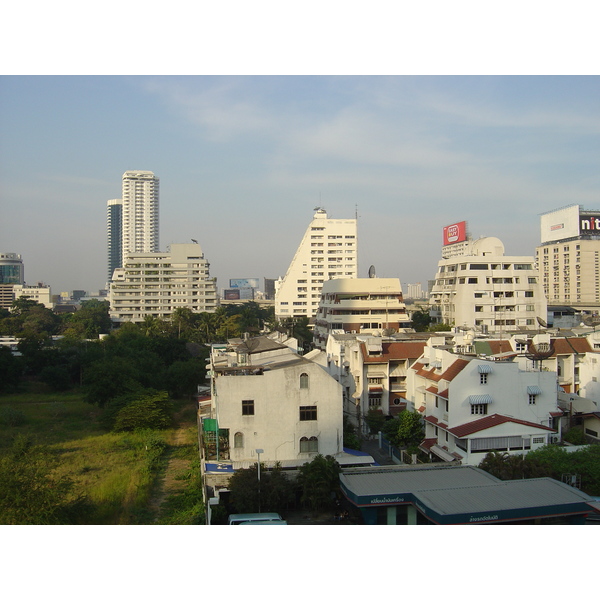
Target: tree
[(421, 320), (89, 321), (507, 466), (276, 491), (406, 430), (319, 482), (108, 379), (375, 420), (10, 370)]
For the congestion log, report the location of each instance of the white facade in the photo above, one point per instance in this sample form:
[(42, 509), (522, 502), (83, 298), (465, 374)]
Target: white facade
[(488, 291), (569, 272), (369, 305), (157, 283), (140, 212), (40, 293), (373, 372), (328, 250), (268, 397), (502, 406)]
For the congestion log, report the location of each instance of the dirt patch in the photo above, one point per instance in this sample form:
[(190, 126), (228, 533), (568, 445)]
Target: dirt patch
[(169, 482)]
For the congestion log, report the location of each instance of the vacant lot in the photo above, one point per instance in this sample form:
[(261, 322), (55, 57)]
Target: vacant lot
[(127, 478)]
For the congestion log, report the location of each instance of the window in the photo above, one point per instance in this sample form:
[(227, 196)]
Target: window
[(538, 440), (479, 409), (304, 381), (238, 440), (309, 444), (247, 407), (483, 378), (308, 413), (531, 398)]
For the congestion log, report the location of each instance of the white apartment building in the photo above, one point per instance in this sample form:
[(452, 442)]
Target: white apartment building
[(157, 283), (484, 289), (473, 406), (265, 396), (139, 212), (328, 250), (366, 305), (569, 257)]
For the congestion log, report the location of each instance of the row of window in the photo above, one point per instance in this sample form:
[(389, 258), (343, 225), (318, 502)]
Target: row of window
[(487, 267), (310, 444), (307, 413)]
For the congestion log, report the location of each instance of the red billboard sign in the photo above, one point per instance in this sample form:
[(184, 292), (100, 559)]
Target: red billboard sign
[(455, 233)]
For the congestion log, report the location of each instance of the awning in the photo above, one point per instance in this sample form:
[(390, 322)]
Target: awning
[(480, 399), (484, 368), (377, 375), (375, 390), (533, 390), (443, 454)]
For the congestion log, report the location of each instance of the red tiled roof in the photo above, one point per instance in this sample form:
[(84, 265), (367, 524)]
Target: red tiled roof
[(558, 413), (570, 346), (435, 421), (488, 422), (499, 346), (432, 390), (454, 369), (425, 373), (427, 443)]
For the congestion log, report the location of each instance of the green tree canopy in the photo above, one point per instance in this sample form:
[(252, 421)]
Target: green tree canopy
[(405, 430), (319, 482)]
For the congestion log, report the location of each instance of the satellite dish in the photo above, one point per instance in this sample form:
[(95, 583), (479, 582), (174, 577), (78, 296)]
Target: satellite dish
[(542, 322), (372, 271)]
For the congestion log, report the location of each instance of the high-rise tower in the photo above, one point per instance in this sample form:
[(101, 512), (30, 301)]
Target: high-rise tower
[(114, 234), (328, 250), (140, 213)]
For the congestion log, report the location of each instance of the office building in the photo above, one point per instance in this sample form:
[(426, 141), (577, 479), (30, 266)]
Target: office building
[(569, 257), (114, 233), (139, 213), (328, 250), (40, 293), (156, 283), (11, 274), (479, 287)]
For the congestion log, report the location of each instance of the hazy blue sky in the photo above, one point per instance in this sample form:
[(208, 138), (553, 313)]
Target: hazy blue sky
[(244, 160)]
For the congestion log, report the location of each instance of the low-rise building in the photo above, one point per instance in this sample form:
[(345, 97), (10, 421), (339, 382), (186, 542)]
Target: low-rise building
[(372, 371), (267, 397), (472, 406)]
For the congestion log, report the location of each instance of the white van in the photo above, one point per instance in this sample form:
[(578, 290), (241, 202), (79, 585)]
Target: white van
[(256, 519)]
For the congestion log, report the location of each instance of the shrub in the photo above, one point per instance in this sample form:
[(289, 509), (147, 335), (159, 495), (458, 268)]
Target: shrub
[(147, 412), (575, 436)]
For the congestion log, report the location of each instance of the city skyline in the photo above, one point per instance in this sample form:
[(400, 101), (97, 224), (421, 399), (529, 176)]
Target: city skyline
[(244, 160)]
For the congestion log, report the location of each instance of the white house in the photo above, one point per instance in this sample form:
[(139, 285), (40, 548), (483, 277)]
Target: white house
[(472, 406), (267, 397)]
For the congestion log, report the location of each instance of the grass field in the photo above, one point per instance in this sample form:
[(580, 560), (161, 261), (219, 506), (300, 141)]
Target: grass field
[(117, 472)]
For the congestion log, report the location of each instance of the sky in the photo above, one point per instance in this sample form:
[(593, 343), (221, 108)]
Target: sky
[(244, 160)]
